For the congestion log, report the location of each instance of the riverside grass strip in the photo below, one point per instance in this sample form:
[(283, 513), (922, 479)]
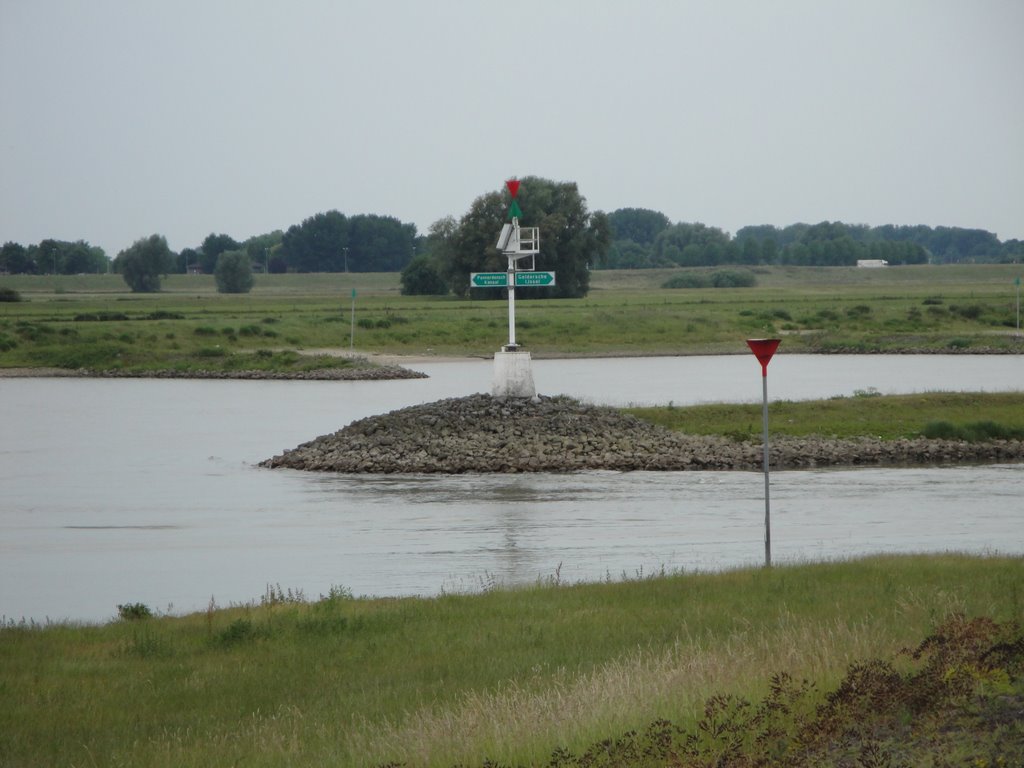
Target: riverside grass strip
[(188, 325), (887, 417), (507, 675)]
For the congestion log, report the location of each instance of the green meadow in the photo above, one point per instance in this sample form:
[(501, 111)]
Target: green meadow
[(963, 415), (94, 322), (542, 675)]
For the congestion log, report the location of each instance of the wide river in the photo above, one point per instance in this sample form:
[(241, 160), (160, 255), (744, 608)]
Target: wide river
[(117, 491)]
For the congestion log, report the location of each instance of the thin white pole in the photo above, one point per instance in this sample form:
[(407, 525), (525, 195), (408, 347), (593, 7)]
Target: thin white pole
[(767, 505), (511, 303)]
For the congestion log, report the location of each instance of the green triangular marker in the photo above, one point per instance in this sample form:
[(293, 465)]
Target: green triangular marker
[(514, 212)]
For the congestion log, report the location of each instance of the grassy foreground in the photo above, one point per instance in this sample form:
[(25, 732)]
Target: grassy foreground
[(509, 676), (94, 322)]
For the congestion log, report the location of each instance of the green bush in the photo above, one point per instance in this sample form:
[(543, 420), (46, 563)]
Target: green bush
[(969, 312), (236, 632), (31, 332), (134, 611), (94, 355), (9, 294), (722, 278), (688, 280), (972, 432), (421, 278), (733, 278)]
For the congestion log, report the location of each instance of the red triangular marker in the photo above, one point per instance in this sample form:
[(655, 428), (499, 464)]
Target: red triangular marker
[(513, 187), (763, 349)]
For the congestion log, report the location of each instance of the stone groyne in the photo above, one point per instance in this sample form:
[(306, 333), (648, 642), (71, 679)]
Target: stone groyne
[(375, 373), (480, 433)]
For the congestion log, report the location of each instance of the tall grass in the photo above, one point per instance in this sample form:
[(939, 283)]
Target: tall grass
[(507, 675)]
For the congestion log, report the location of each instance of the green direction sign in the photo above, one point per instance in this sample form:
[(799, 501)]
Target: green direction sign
[(488, 279), (534, 278)]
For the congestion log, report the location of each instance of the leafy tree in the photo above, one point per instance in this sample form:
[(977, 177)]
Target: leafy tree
[(379, 243), (211, 249), (16, 259), (49, 257), (625, 254), (439, 239), (638, 225), (421, 278), (750, 251), (691, 245), (142, 263), (317, 244), (571, 238), (262, 248), (233, 272), (189, 258)]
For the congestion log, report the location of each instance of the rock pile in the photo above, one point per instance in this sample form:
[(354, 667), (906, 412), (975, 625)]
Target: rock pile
[(375, 373), (480, 433)]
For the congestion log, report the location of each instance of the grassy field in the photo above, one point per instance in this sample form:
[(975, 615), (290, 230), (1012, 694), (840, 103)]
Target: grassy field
[(507, 675), (890, 417), (93, 321)]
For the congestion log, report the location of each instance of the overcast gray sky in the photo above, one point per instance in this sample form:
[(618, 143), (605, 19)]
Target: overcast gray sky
[(124, 118)]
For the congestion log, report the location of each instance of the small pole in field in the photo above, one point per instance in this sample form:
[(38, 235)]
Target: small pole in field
[(763, 349), (1017, 282), (352, 330)]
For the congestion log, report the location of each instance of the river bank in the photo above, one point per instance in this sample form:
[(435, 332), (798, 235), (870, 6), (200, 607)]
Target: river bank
[(480, 433), (376, 372)]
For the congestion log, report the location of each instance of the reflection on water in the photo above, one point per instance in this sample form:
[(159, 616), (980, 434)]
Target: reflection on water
[(124, 491)]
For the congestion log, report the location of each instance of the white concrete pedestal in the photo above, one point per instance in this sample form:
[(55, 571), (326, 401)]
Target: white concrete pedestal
[(513, 375)]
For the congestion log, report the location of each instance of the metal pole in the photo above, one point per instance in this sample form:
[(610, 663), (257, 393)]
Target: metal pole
[(767, 506), (511, 279), (1018, 306), (352, 330)]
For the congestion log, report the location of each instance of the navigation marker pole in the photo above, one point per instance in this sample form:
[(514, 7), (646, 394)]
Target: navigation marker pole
[(763, 349), (1017, 282), (352, 330), (513, 376)]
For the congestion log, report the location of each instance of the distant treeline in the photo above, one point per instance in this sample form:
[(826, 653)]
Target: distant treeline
[(640, 238), (51, 257), (643, 238), (326, 242)]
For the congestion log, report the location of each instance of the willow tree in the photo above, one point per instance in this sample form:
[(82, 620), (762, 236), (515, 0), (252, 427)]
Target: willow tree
[(571, 238)]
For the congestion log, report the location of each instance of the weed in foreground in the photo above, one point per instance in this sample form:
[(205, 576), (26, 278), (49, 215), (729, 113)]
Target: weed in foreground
[(961, 703)]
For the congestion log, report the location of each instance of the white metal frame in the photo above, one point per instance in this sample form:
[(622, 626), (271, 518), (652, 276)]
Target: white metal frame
[(521, 246)]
